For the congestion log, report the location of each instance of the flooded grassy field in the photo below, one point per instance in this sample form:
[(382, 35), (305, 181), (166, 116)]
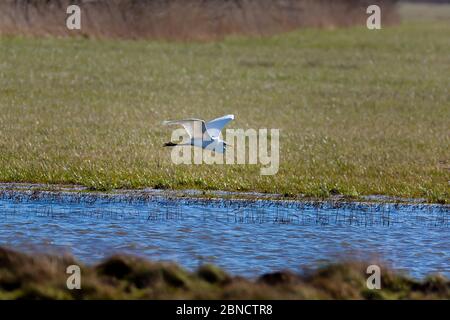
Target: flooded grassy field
[(244, 237), (363, 157)]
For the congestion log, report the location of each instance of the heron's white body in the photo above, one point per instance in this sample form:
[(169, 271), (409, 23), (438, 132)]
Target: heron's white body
[(204, 135)]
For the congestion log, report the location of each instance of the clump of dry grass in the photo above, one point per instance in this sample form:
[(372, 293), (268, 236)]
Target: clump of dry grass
[(183, 19), (125, 277)]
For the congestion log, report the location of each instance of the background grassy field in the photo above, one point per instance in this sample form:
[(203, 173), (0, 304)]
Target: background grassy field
[(360, 112)]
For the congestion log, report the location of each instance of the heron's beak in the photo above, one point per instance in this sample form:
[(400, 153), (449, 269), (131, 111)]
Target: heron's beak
[(169, 144)]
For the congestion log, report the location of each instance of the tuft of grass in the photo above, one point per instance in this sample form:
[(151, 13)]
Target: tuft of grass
[(126, 277), (361, 112)]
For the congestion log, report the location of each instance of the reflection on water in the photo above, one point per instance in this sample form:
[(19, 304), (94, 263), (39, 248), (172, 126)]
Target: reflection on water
[(244, 237)]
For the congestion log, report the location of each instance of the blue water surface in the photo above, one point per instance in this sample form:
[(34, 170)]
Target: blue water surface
[(244, 237)]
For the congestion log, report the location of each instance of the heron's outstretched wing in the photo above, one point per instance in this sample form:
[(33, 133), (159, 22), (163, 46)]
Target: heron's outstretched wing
[(196, 128), (215, 126)]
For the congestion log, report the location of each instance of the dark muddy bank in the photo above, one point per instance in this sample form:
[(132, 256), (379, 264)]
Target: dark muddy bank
[(184, 19), (57, 190)]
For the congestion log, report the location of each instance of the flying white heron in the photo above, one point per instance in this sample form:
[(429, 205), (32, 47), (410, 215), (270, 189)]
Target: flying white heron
[(203, 135)]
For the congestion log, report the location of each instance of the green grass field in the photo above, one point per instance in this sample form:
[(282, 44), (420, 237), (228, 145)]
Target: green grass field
[(361, 112)]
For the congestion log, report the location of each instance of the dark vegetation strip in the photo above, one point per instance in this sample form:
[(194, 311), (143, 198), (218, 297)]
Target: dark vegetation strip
[(184, 19)]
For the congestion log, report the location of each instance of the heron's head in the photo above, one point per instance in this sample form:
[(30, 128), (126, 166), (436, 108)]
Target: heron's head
[(225, 146)]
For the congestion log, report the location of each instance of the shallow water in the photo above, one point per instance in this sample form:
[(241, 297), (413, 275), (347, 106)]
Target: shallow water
[(244, 237)]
